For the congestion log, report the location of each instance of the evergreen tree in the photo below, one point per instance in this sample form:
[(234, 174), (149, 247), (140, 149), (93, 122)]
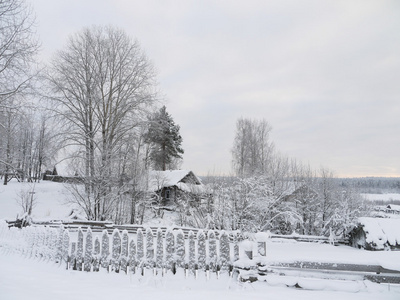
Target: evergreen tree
[(164, 138)]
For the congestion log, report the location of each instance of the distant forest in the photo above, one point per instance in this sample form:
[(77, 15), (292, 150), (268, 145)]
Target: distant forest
[(372, 185)]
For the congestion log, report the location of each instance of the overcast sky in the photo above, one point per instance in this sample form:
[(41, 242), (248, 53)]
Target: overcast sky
[(324, 74)]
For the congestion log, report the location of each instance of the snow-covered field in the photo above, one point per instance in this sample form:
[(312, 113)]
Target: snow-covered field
[(29, 278), (50, 200)]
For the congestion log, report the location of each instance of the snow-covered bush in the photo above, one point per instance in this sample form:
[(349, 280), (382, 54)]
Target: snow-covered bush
[(88, 250), (160, 249), (201, 249), (105, 249), (116, 250), (180, 249)]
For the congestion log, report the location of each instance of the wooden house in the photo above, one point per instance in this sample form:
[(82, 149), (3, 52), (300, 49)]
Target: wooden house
[(376, 234), (169, 186)]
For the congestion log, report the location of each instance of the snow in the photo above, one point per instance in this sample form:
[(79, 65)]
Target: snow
[(22, 278), (51, 198), (380, 231)]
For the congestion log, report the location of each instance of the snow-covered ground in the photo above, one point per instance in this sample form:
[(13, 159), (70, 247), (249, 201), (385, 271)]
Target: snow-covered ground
[(50, 198), (29, 278), (22, 278)]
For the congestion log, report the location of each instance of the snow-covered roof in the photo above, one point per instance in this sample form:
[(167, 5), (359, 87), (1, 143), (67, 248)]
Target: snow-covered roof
[(381, 231), (393, 207), (183, 179)]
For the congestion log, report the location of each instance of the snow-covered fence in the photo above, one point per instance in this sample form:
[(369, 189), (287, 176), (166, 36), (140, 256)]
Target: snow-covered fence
[(134, 253)]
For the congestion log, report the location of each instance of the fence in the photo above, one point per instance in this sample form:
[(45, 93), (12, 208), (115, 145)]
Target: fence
[(149, 249)]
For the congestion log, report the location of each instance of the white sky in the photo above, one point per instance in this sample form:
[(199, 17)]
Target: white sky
[(324, 74)]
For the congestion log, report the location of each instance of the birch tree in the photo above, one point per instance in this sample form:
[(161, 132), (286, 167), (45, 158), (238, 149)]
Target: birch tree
[(101, 84), (18, 47)]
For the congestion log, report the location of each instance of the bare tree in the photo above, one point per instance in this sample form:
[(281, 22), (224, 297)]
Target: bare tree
[(102, 83), (18, 47), (252, 149)]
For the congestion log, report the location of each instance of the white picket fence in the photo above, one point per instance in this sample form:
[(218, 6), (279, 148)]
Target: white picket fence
[(135, 253)]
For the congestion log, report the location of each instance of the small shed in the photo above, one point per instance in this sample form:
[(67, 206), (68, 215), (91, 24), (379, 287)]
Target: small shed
[(376, 234)]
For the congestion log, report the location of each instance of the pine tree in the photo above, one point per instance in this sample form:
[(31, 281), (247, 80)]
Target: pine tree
[(180, 249), (116, 250), (160, 249), (164, 138), (124, 251), (224, 251), (201, 248), (79, 250), (88, 250), (105, 249), (149, 247), (212, 250)]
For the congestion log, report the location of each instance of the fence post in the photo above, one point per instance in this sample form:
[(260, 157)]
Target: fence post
[(124, 251), (105, 249), (88, 250), (116, 250)]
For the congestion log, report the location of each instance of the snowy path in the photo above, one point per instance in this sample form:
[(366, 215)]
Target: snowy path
[(22, 278)]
